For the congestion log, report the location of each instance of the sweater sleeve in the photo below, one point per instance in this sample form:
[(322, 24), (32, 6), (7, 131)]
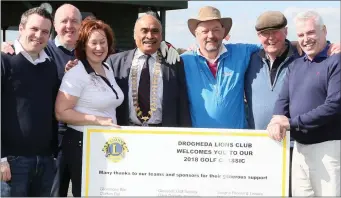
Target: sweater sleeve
[(3, 67), (331, 107), (3, 81)]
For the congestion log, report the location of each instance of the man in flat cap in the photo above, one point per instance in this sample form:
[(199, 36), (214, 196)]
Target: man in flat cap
[(267, 67)]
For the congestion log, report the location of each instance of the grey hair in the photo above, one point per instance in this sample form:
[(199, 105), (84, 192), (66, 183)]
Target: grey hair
[(150, 13), (37, 10), (308, 15)]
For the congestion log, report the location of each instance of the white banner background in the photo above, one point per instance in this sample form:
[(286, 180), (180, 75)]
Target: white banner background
[(154, 151)]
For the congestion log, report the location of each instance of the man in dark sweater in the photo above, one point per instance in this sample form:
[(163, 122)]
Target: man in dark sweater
[(309, 105), (67, 22), (29, 85)]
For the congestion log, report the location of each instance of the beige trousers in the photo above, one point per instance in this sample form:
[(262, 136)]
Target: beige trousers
[(316, 169)]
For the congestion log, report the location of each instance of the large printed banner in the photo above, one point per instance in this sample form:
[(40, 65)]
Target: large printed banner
[(155, 161)]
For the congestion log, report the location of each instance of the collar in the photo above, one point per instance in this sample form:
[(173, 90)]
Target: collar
[(88, 67), (139, 53), (222, 50), (42, 56), (321, 54), (59, 44)]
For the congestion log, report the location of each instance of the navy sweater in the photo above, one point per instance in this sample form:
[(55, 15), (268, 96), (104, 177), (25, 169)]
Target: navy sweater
[(28, 92), (60, 56), (311, 98)]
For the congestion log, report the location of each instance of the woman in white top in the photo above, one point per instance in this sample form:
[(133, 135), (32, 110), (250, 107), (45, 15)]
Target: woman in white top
[(88, 95)]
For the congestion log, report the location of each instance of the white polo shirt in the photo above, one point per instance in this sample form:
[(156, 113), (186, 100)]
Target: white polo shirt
[(95, 95)]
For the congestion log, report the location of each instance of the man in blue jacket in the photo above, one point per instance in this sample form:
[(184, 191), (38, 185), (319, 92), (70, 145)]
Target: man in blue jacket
[(309, 105), (215, 73)]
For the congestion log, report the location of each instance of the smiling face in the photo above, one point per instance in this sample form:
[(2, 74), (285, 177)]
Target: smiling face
[(34, 34), (96, 48), (311, 37), (273, 41), (67, 23), (148, 34), (210, 35)]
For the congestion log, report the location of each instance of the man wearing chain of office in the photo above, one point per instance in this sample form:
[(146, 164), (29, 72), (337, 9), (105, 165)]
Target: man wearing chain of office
[(155, 92)]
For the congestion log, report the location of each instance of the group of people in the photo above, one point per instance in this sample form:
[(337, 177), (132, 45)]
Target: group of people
[(50, 89)]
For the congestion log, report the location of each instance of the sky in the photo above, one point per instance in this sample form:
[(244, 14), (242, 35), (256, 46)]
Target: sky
[(244, 15)]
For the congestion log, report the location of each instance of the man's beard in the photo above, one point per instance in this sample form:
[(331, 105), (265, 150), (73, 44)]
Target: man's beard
[(212, 48)]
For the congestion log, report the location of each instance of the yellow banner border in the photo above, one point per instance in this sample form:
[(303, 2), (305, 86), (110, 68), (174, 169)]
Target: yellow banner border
[(130, 131)]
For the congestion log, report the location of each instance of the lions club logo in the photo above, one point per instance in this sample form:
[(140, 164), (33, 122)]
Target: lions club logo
[(115, 149)]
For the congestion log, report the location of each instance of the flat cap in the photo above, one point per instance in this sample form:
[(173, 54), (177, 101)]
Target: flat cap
[(270, 20)]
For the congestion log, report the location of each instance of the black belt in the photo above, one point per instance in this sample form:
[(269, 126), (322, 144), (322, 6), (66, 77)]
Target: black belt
[(149, 125)]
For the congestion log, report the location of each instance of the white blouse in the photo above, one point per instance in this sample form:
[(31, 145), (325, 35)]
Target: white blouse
[(95, 95)]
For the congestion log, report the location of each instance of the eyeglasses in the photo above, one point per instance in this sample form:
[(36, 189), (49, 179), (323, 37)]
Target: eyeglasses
[(268, 33)]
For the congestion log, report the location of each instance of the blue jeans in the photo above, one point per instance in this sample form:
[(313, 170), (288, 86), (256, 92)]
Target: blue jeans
[(31, 176), (5, 189)]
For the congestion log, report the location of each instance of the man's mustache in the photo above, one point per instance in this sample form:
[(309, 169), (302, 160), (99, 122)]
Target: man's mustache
[(149, 40), (212, 41)]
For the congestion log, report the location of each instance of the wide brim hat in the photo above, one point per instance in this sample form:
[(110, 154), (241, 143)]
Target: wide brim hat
[(209, 13)]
